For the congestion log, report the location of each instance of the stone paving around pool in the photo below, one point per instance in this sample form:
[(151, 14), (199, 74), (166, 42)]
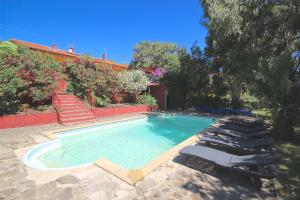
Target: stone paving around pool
[(194, 180)]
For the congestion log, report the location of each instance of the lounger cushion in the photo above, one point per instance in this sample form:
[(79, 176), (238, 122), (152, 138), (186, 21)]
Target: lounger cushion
[(235, 142), (216, 129), (226, 159), (241, 123), (242, 129), (213, 155), (252, 165), (245, 119)]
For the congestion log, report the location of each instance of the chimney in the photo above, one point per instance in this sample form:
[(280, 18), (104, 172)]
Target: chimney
[(71, 50), (104, 56), (53, 46)]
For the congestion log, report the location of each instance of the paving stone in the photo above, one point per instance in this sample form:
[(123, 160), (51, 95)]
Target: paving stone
[(164, 190), (156, 195), (177, 195), (98, 195), (8, 173), (65, 194), (6, 156), (47, 188), (195, 180), (196, 197), (8, 192), (68, 179), (29, 193)]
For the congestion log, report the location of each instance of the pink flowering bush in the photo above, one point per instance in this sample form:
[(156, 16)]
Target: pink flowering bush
[(158, 72), (93, 81), (26, 77)]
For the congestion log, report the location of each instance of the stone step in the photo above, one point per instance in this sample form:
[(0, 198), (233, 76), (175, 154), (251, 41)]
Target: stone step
[(67, 97), (71, 111), (59, 106), (67, 104), (72, 115), (66, 100)]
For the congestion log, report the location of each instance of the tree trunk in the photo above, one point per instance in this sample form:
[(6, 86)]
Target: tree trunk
[(236, 91), (285, 121)]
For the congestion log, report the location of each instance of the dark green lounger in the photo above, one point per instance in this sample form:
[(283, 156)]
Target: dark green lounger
[(233, 133), (241, 144), (241, 121), (242, 128), (258, 165)]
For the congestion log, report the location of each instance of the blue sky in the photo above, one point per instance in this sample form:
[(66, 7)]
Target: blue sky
[(92, 26)]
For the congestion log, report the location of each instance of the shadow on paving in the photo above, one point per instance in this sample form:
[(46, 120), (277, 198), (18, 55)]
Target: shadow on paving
[(213, 182), (288, 180)]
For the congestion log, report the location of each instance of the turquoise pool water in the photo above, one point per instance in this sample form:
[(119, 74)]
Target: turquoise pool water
[(130, 144)]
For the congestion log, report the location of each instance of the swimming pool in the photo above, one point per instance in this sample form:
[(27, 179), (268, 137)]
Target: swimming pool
[(130, 144)]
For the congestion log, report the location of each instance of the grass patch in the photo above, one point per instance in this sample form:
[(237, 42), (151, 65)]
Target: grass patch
[(265, 113), (288, 180)]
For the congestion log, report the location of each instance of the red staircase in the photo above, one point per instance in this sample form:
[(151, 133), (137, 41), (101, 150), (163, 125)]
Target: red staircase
[(71, 109)]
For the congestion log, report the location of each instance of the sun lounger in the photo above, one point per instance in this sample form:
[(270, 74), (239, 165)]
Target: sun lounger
[(222, 111), (245, 119), (257, 165), (242, 128), (232, 133), (241, 144), (242, 121)]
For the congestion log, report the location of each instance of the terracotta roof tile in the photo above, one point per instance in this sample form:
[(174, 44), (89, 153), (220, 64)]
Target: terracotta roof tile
[(62, 52)]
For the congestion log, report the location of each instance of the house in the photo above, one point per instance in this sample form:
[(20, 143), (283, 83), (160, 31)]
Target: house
[(157, 90), (62, 55)]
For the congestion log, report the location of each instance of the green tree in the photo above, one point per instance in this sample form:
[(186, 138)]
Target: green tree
[(156, 54), (190, 84), (257, 46), (195, 69)]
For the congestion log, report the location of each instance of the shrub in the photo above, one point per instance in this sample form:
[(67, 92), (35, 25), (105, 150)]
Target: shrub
[(88, 77), (132, 82), (26, 77), (102, 100), (147, 99)]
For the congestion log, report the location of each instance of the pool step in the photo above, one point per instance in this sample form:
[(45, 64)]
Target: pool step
[(72, 110)]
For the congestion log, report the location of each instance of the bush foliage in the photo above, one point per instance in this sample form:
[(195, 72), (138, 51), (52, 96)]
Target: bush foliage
[(89, 79), (147, 99), (26, 77), (87, 76), (132, 82)]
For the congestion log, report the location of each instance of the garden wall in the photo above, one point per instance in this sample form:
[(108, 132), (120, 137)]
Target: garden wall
[(111, 111), (12, 121)]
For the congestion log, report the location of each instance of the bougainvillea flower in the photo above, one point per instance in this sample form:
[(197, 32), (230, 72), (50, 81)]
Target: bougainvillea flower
[(158, 72)]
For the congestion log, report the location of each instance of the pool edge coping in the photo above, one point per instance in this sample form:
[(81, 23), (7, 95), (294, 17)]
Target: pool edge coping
[(51, 135)]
